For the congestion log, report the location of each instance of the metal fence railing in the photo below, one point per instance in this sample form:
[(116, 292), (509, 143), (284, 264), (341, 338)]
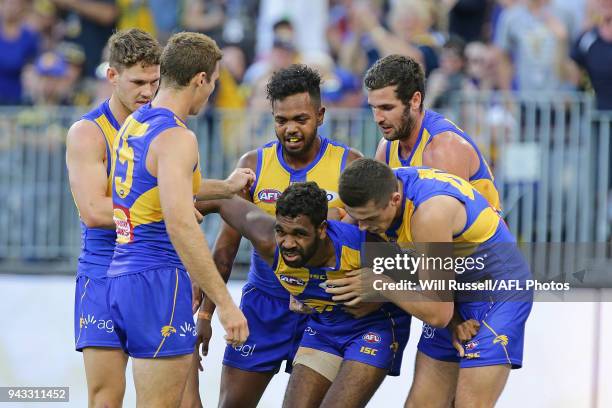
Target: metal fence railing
[(550, 155)]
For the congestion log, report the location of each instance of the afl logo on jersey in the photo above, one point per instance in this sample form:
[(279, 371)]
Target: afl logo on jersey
[(331, 195), (291, 280), (371, 337), (269, 195), (125, 233)]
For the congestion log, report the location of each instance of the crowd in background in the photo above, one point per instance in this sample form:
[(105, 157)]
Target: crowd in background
[(52, 51)]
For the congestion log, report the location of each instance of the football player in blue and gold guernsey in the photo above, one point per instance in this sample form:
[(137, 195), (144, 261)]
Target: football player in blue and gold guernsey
[(304, 250), (134, 76), (299, 154), (155, 177), (419, 205), (413, 136)]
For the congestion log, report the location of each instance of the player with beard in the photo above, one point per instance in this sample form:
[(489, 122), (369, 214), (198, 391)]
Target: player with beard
[(304, 249), (413, 136), (299, 154)]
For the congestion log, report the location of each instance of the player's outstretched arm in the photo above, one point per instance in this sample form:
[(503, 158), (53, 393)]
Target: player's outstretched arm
[(239, 180), (85, 152), (172, 156)]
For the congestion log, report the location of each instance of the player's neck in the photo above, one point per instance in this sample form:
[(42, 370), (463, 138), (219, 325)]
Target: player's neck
[(325, 256), (119, 110), (299, 162), (406, 145), (174, 100)]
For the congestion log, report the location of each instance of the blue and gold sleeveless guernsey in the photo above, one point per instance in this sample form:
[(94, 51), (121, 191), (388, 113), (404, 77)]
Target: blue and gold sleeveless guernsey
[(433, 124), (98, 244), (274, 176), (485, 236), (148, 289), (377, 339), (274, 331), (93, 326), (142, 240)]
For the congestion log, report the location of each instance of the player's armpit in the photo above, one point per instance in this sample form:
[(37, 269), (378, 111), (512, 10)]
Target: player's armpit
[(85, 159), (381, 151)]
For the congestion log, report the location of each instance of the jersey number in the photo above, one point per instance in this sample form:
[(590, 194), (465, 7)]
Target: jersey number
[(125, 155), (463, 186)]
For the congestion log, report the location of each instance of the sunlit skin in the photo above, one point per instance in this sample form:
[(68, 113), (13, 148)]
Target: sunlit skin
[(301, 243), (296, 119), (395, 120), (132, 87), (377, 219), (205, 90)]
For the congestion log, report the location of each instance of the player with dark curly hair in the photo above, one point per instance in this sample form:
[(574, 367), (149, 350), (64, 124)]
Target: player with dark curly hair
[(298, 154), (305, 249)]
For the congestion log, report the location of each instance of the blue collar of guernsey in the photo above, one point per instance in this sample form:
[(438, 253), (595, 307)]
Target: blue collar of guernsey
[(109, 114), (292, 171)]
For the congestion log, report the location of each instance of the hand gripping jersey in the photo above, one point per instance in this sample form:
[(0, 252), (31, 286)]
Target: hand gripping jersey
[(274, 176), (433, 124), (142, 240)]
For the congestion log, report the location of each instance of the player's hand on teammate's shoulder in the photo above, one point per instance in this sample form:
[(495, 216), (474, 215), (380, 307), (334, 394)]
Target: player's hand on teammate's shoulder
[(463, 332), (240, 179), (299, 307), (235, 324), (203, 336)]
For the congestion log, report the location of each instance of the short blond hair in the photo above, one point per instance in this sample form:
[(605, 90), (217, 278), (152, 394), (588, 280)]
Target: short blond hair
[(186, 55)]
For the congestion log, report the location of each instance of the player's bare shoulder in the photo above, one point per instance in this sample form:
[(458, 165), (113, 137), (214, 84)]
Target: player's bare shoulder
[(353, 155), (381, 150), (85, 138), (248, 160)]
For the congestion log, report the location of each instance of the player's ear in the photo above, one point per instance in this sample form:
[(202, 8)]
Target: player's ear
[(396, 198), (320, 115), (200, 79), (322, 230), (415, 101), (112, 75)]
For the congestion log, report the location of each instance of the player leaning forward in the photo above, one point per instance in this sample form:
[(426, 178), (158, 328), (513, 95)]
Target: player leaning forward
[(417, 205), (155, 177)]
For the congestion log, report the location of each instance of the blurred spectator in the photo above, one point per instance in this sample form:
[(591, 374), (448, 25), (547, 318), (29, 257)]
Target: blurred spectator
[(466, 18), (44, 18), (410, 23), (308, 17), (339, 87), (205, 16), (19, 45), (535, 39), (230, 92), (282, 55), (593, 52), (446, 82), (89, 23), (51, 84), (136, 14), (166, 16)]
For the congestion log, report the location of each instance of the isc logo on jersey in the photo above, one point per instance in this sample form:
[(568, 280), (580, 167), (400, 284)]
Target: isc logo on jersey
[(371, 337), (291, 280), (125, 233), (268, 195)]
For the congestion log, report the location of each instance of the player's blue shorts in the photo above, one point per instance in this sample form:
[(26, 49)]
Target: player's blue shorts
[(152, 312), (93, 325), (274, 333), (498, 341), (377, 339)]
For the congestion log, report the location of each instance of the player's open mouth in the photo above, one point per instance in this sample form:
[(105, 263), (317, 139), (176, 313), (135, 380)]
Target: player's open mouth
[(293, 141), (386, 129), (291, 256)]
